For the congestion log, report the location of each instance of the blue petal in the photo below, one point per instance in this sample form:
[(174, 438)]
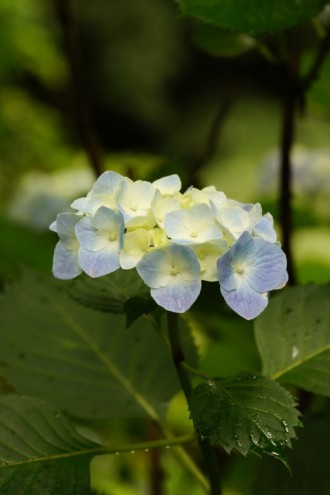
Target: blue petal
[(264, 229), (269, 270), (177, 297), (98, 263), (245, 301), (65, 263), (226, 273), (156, 267)]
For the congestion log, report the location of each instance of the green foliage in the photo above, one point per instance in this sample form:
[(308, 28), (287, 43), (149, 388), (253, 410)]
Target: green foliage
[(38, 248), (245, 412), (120, 292), (293, 337), (309, 461), (253, 16), (217, 41), (40, 451), (81, 360)]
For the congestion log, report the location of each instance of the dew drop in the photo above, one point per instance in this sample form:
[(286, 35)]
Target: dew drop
[(295, 352)]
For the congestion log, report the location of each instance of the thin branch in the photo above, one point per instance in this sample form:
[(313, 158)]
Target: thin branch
[(288, 124), (314, 71), (82, 112), (205, 444)]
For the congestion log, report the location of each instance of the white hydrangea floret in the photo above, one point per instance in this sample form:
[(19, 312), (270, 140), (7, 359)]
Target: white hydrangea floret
[(103, 193), (175, 241)]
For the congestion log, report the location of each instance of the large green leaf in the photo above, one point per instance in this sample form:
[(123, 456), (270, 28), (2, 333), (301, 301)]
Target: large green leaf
[(246, 412), (253, 16), (83, 361), (40, 452), (293, 337), (309, 461)]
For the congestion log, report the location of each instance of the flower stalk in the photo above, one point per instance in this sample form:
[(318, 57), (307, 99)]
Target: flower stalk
[(179, 363)]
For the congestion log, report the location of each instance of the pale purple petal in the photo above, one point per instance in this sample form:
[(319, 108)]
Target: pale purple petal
[(177, 297), (98, 263), (65, 227), (65, 263), (88, 236), (269, 269), (227, 276), (245, 301)]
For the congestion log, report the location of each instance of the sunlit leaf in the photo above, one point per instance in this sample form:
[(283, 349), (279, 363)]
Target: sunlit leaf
[(293, 337), (245, 412), (253, 16), (83, 361), (40, 451)]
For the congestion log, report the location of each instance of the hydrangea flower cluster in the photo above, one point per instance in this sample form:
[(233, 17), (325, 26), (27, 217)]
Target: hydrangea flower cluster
[(174, 240)]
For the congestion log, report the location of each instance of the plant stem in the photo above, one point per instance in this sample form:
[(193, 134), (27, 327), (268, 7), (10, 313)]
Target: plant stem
[(212, 139), (178, 359)]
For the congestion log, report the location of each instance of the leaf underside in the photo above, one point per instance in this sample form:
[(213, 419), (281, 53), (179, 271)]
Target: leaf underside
[(253, 16), (245, 412), (293, 338)]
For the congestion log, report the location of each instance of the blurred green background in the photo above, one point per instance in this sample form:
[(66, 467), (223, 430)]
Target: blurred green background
[(153, 93)]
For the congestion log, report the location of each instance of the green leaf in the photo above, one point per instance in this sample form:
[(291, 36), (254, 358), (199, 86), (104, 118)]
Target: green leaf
[(40, 452), (293, 337), (309, 460), (253, 16), (83, 361), (246, 412), (221, 43), (109, 293), (120, 292)]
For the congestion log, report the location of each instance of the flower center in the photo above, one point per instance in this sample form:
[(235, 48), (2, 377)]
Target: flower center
[(193, 235), (239, 270), (112, 236), (174, 271)]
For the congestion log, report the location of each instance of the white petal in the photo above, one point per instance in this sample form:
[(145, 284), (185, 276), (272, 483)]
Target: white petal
[(88, 236), (168, 185)]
